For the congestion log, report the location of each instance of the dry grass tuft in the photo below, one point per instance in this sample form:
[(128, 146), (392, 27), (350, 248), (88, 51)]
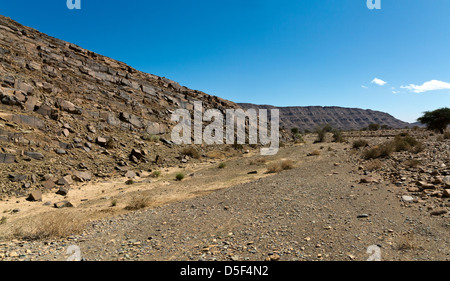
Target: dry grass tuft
[(138, 202), (258, 161), (50, 226), (277, 167), (191, 152), (215, 154), (374, 165)]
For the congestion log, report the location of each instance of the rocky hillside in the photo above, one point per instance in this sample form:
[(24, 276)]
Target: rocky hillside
[(308, 117), (68, 112)]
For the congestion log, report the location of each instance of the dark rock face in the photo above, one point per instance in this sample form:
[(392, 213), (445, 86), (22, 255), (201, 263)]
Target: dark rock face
[(309, 117), (62, 105)]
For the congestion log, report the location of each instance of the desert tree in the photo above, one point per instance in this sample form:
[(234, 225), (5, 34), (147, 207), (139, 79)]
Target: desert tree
[(436, 120)]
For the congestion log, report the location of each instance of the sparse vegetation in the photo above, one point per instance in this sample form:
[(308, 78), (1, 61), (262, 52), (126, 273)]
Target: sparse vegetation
[(138, 202), (191, 152), (114, 203), (337, 136), (156, 174), (360, 143), (277, 167), (50, 226), (400, 143), (257, 161), (374, 127), (129, 182), (322, 132), (110, 143), (3, 220), (373, 165), (179, 176), (287, 164), (222, 165), (150, 138)]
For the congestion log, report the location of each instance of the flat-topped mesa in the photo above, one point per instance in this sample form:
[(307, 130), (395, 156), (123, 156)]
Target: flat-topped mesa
[(309, 117)]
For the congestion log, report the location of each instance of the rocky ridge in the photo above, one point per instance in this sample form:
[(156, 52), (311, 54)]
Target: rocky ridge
[(65, 110), (309, 117)]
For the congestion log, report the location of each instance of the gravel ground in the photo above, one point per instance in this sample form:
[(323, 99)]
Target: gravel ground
[(315, 211)]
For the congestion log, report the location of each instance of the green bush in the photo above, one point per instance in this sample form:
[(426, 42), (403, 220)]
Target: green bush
[(179, 176), (222, 165)]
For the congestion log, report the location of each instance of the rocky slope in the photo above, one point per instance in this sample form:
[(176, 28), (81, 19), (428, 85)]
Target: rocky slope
[(308, 117), (66, 111)]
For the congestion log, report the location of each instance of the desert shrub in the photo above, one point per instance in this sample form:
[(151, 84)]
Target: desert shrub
[(373, 165), (3, 220), (138, 202), (222, 165), (294, 131), (446, 135), (400, 143), (298, 138), (360, 143), (322, 132), (381, 151), (110, 144), (114, 203), (150, 137), (276, 167), (156, 174), (191, 152), (287, 164), (237, 146), (374, 127), (215, 154), (179, 176), (257, 161), (337, 136), (129, 182)]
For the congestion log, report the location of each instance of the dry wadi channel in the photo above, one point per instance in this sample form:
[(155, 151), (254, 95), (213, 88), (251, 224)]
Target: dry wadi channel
[(311, 201)]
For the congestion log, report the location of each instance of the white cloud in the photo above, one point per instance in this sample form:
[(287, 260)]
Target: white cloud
[(379, 82), (364, 87), (432, 85)]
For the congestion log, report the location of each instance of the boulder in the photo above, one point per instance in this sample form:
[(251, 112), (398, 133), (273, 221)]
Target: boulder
[(67, 180), (82, 176)]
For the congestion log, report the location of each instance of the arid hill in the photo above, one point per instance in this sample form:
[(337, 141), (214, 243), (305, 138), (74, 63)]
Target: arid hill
[(309, 117)]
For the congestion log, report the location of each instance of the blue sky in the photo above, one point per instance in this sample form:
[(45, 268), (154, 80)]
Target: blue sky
[(284, 53)]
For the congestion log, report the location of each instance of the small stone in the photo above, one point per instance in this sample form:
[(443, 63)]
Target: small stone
[(63, 204), (35, 196), (362, 216), (368, 180), (446, 192), (63, 190), (407, 198), (130, 174), (438, 212)]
